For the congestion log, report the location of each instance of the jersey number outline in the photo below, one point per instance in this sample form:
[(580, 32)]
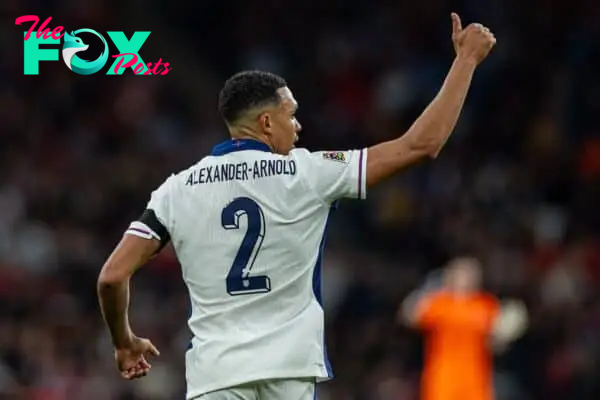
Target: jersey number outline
[(239, 281)]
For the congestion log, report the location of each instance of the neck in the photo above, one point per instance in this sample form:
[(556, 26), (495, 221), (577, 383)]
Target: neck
[(461, 293), (240, 133)]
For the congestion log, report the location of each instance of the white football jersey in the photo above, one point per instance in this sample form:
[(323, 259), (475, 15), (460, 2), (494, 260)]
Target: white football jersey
[(248, 227)]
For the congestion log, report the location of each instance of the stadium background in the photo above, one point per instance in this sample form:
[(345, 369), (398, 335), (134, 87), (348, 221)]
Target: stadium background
[(517, 185)]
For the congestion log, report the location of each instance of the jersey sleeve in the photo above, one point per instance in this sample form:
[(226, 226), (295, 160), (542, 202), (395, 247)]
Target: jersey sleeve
[(157, 219), (429, 312), (333, 175), (492, 310), (479, 314)]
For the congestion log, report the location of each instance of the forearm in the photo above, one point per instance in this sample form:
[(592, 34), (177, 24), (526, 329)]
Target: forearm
[(113, 284), (433, 127), (114, 303), (407, 312), (412, 305), (429, 132)]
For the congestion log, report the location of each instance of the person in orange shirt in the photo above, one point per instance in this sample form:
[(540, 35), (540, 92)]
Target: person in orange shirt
[(462, 324)]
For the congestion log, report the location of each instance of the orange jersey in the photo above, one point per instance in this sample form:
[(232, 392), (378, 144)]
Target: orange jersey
[(458, 363)]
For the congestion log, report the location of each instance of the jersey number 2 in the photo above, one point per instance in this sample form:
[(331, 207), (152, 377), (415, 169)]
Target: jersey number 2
[(239, 280)]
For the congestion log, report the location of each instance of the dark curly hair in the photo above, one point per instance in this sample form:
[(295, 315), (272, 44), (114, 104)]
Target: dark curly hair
[(246, 90)]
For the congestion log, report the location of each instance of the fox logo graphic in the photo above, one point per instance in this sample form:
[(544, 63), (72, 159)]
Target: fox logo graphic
[(127, 48), (73, 45)]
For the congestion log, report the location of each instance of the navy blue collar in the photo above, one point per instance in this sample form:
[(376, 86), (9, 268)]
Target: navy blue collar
[(238, 145)]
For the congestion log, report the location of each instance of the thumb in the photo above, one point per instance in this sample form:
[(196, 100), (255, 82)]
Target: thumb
[(152, 349), (456, 23)]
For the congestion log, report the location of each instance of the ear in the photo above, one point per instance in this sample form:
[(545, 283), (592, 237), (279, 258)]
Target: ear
[(265, 122)]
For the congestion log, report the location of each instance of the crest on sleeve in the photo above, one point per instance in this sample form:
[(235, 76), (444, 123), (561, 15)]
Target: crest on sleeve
[(339, 156)]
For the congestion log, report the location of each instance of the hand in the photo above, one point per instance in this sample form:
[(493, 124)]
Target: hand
[(515, 312), (511, 322), (131, 360), (473, 43)]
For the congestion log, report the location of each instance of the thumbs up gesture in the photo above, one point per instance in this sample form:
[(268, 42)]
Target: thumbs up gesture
[(472, 43)]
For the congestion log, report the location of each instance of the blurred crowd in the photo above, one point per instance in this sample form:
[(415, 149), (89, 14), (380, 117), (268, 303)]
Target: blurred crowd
[(518, 184)]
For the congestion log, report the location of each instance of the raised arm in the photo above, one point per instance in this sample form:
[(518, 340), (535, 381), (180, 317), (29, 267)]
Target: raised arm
[(430, 131), (418, 302)]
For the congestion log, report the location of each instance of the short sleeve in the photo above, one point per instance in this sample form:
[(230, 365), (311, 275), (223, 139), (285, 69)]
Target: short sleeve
[(429, 311), (157, 219), (335, 174), (161, 200), (479, 314), (491, 305)]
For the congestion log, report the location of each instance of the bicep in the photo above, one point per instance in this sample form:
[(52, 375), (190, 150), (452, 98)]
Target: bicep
[(131, 253), (387, 158), (144, 237)]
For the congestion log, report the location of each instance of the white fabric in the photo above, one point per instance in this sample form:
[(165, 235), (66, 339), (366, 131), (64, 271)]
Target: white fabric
[(268, 212)]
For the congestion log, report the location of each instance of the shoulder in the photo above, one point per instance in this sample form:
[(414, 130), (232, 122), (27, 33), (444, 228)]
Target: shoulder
[(300, 153), (181, 176), (434, 299), (488, 302), (487, 299), (430, 309), (341, 156), (335, 160), (173, 182)]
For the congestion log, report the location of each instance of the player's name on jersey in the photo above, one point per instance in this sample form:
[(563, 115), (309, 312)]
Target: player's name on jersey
[(241, 171)]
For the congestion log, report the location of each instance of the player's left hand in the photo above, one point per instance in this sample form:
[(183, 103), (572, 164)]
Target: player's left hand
[(131, 360)]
